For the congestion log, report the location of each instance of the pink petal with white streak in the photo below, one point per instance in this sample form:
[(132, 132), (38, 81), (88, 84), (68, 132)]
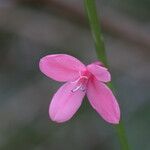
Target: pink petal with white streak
[(65, 103)]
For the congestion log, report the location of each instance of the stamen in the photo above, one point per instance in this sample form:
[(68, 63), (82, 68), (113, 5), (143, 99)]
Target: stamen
[(75, 81), (80, 84), (81, 77), (85, 77), (76, 88), (83, 89)]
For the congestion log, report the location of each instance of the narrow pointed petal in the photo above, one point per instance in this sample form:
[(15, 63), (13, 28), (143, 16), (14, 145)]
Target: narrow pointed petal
[(98, 63), (65, 103), (103, 101), (61, 67), (101, 73)]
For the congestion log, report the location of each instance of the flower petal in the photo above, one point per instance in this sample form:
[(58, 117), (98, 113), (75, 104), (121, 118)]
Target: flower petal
[(103, 101), (98, 63), (61, 67), (65, 103), (101, 73)]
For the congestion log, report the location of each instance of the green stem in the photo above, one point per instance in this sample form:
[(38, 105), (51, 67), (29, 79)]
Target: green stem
[(96, 30), (122, 136), (90, 7)]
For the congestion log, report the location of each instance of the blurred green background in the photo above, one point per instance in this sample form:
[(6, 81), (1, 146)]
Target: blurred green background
[(31, 29)]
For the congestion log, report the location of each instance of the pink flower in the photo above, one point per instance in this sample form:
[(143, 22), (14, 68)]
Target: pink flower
[(80, 80)]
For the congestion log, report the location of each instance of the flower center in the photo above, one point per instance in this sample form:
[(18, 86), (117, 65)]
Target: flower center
[(81, 82)]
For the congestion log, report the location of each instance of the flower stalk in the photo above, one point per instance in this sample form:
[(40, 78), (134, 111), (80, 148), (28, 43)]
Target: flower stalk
[(90, 7)]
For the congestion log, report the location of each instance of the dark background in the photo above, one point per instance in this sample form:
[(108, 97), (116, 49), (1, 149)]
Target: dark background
[(31, 29)]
